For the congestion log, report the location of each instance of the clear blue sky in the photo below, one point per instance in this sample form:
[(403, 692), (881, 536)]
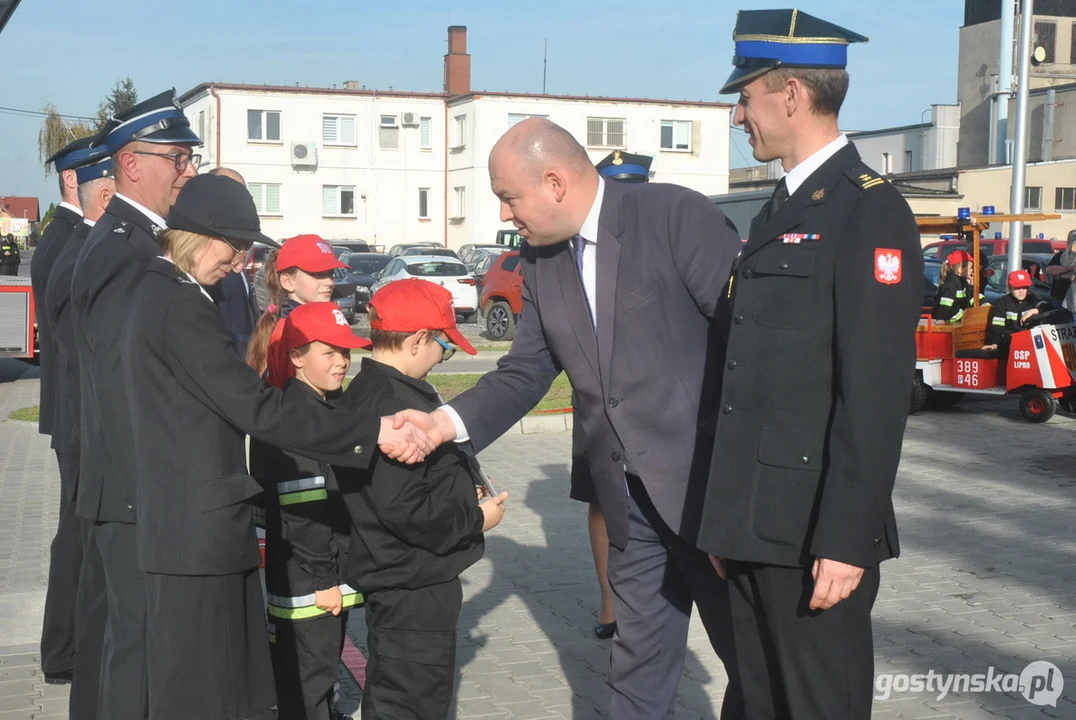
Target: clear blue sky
[(72, 52)]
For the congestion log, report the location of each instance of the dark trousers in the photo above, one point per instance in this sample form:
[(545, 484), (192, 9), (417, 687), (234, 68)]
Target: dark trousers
[(92, 615), (655, 579), (208, 647), (411, 637), (797, 662), (65, 563), (306, 654), (11, 268), (123, 671)]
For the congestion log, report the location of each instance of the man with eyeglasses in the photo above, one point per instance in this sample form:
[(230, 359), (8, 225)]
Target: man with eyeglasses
[(152, 154)]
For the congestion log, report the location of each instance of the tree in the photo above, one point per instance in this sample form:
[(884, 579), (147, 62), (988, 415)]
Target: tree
[(56, 132), (123, 97)]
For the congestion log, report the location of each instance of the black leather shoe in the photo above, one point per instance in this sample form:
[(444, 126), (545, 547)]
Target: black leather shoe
[(604, 631), (59, 678)]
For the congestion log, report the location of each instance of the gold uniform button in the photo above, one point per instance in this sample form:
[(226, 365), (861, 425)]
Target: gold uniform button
[(358, 450)]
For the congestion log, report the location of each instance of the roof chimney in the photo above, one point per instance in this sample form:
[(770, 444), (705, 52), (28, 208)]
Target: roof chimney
[(351, 85), (457, 62)]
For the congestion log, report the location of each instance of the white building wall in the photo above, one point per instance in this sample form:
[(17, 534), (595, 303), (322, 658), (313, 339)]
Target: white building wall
[(387, 181)]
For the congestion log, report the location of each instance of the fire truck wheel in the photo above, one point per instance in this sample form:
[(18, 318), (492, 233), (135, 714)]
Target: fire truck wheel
[(1037, 405), (920, 392)]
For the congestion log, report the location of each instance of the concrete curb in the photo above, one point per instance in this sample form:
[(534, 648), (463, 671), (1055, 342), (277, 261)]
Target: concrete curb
[(542, 424)]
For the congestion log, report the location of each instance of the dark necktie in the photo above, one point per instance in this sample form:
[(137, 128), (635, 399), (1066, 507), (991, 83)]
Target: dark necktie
[(580, 245), (780, 194)]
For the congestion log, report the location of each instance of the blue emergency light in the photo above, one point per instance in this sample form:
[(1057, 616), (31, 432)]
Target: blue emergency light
[(988, 210), (997, 236), (963, 213)]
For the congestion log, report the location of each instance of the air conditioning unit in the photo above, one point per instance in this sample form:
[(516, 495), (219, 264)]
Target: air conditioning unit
[(410, 119), (304, 154), (389, 121)]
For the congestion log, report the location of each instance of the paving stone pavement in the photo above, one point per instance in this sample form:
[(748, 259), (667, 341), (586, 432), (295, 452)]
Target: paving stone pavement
[(987, 511)]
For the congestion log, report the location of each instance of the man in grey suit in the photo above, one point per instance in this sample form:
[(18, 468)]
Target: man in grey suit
[(621, 285)]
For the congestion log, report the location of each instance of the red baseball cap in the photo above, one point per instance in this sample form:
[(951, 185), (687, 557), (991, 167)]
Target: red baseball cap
[(408, 306), (321, 321), (954, 258), (1019, 279), (308, 253)]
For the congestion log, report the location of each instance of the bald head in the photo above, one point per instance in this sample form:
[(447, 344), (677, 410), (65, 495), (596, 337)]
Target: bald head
[(544, 180), (230, 174)]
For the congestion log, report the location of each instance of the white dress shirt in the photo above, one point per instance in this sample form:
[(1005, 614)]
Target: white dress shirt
[(154, 217), (89, 222), (589, 233), (72, 208), (797, 175)]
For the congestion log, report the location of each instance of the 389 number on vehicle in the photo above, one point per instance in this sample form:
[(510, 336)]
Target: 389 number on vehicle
[(967, 373)]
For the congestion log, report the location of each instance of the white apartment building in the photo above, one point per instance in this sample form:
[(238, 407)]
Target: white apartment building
[(395, 167)]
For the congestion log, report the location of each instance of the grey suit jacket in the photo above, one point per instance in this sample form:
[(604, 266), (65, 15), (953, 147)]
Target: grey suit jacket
[(645, 400)]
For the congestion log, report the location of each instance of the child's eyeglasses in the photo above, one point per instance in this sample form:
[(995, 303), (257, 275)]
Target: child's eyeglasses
[(447, 351)]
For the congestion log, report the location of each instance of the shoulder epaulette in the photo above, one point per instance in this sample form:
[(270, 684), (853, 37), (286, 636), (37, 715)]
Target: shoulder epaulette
[(864, 177)]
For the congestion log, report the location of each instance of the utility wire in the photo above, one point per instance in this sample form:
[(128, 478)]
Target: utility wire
[(40, 113)]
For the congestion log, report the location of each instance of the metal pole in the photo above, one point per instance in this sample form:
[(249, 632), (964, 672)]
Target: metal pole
[(1004, 91), (1019, 160), (545, 63)]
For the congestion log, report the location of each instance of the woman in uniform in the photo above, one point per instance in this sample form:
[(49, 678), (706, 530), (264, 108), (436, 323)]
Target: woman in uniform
[(194, 402), (955, 287), (1011, 312)]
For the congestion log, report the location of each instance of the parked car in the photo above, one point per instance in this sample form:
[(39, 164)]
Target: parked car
[(997, 275), (510, 238), (502, 299), (362, 270), (340, 251), (353, 245), (344, 294), (431, 251), (472, 257), (255, 259), (992, 246), (931, 272), (397, 249), (466, 251), (448, 273)]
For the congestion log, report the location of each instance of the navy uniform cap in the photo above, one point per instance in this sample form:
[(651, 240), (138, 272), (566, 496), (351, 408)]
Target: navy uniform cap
[(625, 167), (768, 39), (99, 166), (72, 155), (157, 120)]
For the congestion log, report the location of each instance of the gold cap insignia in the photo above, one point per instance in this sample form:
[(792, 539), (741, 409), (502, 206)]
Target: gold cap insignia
[(617, 160)]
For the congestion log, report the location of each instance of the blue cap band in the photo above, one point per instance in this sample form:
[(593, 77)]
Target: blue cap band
[(799, 54), (131, 129), (624, 169), (74, 159), (100, 169)]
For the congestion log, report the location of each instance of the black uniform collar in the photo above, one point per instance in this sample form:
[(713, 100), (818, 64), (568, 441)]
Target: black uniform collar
[(124, 210), (369, 365), (815, 190), (295, 386), (62, 212)]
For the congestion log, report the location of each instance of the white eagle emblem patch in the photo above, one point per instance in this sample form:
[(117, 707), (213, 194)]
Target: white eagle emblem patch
[(887, 266)]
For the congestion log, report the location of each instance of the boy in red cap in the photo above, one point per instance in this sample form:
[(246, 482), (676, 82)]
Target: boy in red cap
[(414, 528), (956, 287), (307, 525), (1011, 312)]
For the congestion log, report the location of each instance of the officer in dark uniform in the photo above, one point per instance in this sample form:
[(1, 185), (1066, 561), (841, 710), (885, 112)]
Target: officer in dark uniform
[(9, 255), (64, 221), (76, 583), (825, 299), (625, 168), (193, 401), (151, 148)]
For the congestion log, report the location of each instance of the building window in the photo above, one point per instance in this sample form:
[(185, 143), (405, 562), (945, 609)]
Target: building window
[(388, 121), (388, 138), (907, 161), (1065, 198), (459, 131), (676, 135), (425, 141), (1046, 38), (338, 130), (266, 197), (513, 118), (1033, 198), (263, 125), (605, 132), (459, 202), (424, 203), (337, 200), (887, 163)]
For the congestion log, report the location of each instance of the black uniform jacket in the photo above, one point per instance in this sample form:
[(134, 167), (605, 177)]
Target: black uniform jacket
[(60, 314), (307, 525), (110, 265), (192, 401), (51, 246), (821, 350), (413, 525), (953, 298), (1005, 316)]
